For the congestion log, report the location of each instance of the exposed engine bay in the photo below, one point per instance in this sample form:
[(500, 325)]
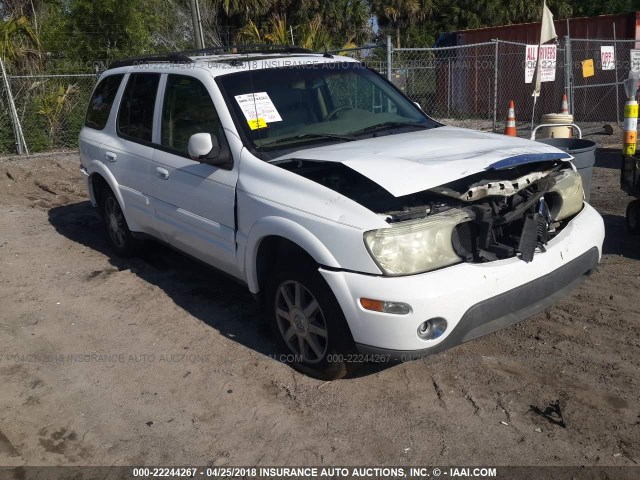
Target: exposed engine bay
[(503, 213)]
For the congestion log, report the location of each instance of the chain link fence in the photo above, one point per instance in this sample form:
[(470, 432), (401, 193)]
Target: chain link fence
[(469, 86), (51, 108), (472, 85), (7, 136), (454, 85), (601, 97)]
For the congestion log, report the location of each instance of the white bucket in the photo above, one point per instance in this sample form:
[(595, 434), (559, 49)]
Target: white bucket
[(557, 132)]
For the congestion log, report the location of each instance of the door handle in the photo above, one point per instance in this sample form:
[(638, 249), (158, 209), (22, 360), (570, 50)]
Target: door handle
[(162, 173), (112, 157)]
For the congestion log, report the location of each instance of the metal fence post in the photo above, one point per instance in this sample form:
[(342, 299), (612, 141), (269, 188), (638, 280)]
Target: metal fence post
[(449, 88), (615, 66), (197, 24), (568, 72), (495, 86), (389, 57), (15, 119)]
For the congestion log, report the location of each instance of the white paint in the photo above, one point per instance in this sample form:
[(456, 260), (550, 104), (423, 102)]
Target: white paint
[(417, 161), (221, 216)]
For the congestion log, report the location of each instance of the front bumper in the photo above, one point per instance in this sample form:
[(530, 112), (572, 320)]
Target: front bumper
[(475, 299)]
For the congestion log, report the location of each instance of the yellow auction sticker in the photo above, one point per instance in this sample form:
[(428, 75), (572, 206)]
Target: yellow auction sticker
[(257, 123)]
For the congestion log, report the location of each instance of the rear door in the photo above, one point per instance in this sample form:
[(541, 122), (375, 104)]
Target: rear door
[(128, 153), (94, 133), (194, 202)]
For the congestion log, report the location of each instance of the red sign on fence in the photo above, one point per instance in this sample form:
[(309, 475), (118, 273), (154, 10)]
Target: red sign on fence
[(547, 62), (607, 58)]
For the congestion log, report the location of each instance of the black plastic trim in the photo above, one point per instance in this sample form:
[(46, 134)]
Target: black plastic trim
[(135, 61)]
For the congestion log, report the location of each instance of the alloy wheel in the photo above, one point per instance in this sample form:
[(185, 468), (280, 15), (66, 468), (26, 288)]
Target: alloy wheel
[(301, 321), (115, 222)]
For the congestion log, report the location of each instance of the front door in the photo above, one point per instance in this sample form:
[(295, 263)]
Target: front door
[(193, 202)]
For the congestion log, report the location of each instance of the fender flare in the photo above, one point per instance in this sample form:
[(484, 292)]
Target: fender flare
[(97, 167), (289, 230)]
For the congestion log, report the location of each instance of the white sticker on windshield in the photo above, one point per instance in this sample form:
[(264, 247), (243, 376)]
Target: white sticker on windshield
[(258, 106)]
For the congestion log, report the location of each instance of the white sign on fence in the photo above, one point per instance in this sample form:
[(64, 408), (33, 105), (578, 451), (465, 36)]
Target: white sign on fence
[(547, 63), (607, 58), (635, 60)]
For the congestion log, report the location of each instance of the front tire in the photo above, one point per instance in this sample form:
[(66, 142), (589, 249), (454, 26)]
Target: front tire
[(308, 322), (118, 234)]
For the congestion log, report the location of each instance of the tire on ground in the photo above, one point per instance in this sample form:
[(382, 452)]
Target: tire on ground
[(308, 321), (118, 234)]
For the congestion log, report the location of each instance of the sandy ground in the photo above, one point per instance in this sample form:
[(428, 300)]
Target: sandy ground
[(159, 360)]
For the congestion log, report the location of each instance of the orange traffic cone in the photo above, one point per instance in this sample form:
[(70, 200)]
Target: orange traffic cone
[(565, 105), (510, 129)]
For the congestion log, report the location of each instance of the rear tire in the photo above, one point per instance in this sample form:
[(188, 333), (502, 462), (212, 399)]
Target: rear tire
[(118, 234), (633, 217), (308, 322)]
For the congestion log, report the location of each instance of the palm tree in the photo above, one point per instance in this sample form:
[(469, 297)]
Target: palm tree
[(400, 14), (312, 35), (17, 39), (19, 43), (278, 30), (244, 7)]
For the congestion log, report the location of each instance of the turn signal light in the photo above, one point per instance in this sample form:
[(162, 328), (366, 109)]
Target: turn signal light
[(382, 306)]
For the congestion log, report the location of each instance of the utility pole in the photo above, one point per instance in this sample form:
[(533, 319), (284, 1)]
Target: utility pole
[(197, 24)]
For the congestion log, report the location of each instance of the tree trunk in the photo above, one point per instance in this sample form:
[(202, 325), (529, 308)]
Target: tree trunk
[(398, 36)]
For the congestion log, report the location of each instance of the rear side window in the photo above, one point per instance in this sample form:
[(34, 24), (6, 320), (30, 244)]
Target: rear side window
[(135, 117), (101, 102)]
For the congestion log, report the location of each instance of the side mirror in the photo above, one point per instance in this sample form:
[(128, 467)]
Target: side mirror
[(202, 147)]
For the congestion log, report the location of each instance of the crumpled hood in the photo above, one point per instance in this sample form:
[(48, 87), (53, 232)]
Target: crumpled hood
[(412, 162)]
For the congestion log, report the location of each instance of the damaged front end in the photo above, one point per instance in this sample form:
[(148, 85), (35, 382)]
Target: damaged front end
[(518, 216), (491, 215)]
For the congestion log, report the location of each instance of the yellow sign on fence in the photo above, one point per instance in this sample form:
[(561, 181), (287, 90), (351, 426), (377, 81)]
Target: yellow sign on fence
[(587, 68)]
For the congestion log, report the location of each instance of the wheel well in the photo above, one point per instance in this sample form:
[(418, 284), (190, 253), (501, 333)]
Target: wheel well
[(273, 250), (99, 185)]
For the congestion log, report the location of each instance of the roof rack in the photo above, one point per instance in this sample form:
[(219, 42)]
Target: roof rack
[(167, 58), (251, 48), (184, 57)]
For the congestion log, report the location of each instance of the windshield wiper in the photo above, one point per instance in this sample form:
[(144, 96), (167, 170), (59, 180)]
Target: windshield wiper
[(387, 125), (309, 136)]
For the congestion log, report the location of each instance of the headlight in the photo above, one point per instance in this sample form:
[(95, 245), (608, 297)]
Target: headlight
[(566, 197), (415, 246)]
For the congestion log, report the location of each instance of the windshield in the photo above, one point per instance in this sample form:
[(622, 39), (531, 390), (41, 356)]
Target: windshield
[(292, 107)]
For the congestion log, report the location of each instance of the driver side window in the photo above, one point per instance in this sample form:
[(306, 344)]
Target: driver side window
[(187, 109)]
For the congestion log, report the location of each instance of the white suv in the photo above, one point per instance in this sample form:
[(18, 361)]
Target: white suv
[(367, 229)]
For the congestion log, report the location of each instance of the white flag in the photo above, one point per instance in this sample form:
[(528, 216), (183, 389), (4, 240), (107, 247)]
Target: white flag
[(547, 32)]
